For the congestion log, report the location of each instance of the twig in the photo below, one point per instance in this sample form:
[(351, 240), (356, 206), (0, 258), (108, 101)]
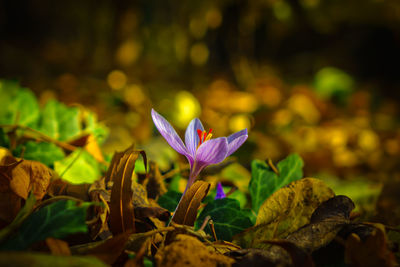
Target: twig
[(42, 136), (272, 166), (211, 223)]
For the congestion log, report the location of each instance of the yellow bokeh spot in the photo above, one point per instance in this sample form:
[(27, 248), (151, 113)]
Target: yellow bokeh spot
[(310, 3), (282, 117), (304, 107), (335, 137), (198, 27), (199, 54), (392, 146), (116, 79), (181, 47), (128, 52), (368, 140), (282, 10), (239, 122), (213, 18), (133, 95), (187, 108), (344, 158), (132, 119)]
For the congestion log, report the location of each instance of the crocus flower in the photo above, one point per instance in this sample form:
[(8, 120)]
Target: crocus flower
[(220, 192), (199, 148)]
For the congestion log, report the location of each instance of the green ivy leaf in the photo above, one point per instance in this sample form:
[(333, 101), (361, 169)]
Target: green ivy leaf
[(227, 216), (170, 200), (19, 105), (26, 210), (78, 167), (47, 153), (59, 121), (264, 181), (56, 220)]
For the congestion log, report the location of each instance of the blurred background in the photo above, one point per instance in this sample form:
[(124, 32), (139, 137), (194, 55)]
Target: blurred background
[(320, 78)]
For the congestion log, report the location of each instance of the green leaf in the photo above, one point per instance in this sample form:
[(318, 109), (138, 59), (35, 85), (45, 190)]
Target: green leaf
[(169, 200), (59, 121), (264, 181), (19, 105), (37, 259), (26, 210), (332, 82), (56, 220), (78, 167), (47, 153), (227, 216), (99, 131), (4, 141)]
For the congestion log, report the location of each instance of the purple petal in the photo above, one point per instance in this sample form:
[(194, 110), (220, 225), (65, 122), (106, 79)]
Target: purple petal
[(236, 140), (212, 151), (191, 137), (169, 133), (220, 192)]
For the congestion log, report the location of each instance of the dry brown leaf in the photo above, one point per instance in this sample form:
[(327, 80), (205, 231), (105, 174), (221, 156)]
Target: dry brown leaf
[(154, 182), (186, 212), (58, 247), (122, 217), (373, 251), (89, 143), (111, 249), (187, 250)]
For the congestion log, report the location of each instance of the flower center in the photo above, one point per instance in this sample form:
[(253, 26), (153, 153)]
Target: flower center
[(203, 136)]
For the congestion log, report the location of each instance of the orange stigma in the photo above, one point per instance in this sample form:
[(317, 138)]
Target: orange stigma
[(203, 136)]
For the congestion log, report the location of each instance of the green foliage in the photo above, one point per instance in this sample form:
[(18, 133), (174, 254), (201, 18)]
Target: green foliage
[(331, 82), (56, 220), (170, 200), (58, 121), (264, 181), (227, 216), (4, 142), (78, 167), (26, 210), (19, 105), (47, 153)]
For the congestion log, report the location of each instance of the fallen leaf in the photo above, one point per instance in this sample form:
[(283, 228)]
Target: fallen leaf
[(285, 211), (374, 251), (26, 210), (111, 249), (90, 144), (154, 182), (58, 247), (186, 212), (24, 175), (122, 217), (187, 250), (10, 258), (155, 212)]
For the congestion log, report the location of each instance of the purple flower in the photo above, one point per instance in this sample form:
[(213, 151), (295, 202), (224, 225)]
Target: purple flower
[(199, 148), (220, 192)]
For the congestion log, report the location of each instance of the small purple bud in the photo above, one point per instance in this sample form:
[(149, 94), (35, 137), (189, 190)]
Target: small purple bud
[(220, 192)]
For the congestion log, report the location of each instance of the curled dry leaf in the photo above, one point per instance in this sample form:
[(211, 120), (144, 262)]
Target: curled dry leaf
[(122, 217), (186, 212)]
